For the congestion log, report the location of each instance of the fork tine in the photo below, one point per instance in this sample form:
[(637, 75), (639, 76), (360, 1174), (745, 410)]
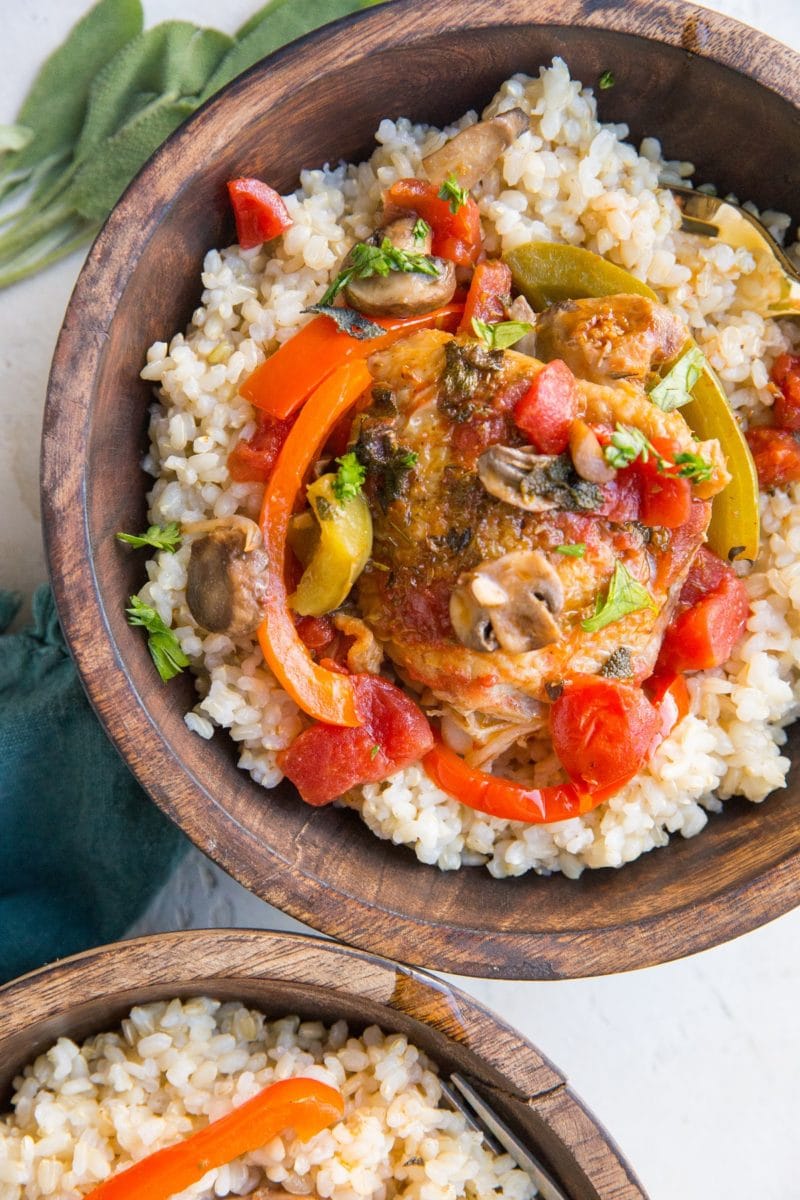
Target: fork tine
[(482, 1118)]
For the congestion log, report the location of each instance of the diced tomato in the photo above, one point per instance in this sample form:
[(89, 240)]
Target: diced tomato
[(456, 235), (669, 693), (491, 283), (666, 501), (622, 497), (786, 377), (259, 211), (252, 460), (705, 634), (547, 410), (315, 632), (602, 730), (325, 761), (776, 453), (705, 575)]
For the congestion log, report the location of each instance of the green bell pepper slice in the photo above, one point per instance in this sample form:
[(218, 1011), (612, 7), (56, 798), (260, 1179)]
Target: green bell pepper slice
[(333, 542)]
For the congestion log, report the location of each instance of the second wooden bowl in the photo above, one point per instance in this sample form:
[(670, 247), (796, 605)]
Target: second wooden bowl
[(687, 75), (281, 974)]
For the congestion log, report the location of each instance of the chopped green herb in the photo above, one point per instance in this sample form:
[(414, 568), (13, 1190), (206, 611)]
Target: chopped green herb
[(694, 467), (161, 537), (625, 595), (452, 191), (675, 389), (468, 365), (367, 260), (421, 230), (572, 549), (164, 647), (606, 81), (349, 478), (618, 665), (375, 751), (348, 320), (501, 335), (628, 444)]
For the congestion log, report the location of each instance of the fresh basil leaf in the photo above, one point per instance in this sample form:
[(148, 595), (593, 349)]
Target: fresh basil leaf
[(502, 334), (625, 595), (108, 169), (279, 23), (56, 103), (571, 549), (348, 320), (675, 389)]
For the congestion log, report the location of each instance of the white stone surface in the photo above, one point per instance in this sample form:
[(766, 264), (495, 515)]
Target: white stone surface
[(693, 1066)]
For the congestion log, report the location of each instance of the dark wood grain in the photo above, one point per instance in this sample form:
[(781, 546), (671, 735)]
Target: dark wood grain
[(714, 92), (284, 973)]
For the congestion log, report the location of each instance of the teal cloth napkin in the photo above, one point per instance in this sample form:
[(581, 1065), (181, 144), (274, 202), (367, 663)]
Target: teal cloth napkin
[(82, 848)]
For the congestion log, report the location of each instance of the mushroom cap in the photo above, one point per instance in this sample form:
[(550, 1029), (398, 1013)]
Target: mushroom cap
[(474, 151), (402, 293), (509, 603), (226, 584)]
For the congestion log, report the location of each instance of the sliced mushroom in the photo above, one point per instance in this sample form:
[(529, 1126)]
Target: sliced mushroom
[(520, 310), (403, 293), (252, 533), (509, 603), (503, 471), (587, 454), (537, 482), (226, 585), (475, 150)]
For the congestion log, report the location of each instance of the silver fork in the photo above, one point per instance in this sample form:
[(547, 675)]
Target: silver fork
[(482, 1118), (708, 216)]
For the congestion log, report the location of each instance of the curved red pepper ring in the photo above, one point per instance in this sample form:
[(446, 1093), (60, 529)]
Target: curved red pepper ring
[(512, 801), (502, 797)]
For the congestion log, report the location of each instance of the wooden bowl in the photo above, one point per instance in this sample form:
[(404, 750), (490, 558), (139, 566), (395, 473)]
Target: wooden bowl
[(281, 973), (724, 96)]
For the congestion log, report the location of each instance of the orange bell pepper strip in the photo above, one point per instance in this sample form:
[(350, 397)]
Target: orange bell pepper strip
[(289, 376), (503, 797), (304, 1105), (325, 695)]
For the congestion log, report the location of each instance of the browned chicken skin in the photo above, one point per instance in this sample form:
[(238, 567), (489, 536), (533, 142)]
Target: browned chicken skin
[(467, 590), (609, 338)]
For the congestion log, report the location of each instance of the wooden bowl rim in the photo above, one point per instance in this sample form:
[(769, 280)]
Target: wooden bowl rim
[(510, 1065), (687, 928)]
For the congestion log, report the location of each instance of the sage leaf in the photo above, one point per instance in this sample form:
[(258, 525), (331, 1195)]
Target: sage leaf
[(56, 103), (349, 321), (14, 137), (108, 169), (172, 59), (280, 22)]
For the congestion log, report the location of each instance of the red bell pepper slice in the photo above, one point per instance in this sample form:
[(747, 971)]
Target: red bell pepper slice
[(491, 284), (259, 211)]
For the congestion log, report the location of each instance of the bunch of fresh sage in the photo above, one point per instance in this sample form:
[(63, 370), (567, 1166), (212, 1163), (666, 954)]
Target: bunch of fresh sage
[(102, 104)]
